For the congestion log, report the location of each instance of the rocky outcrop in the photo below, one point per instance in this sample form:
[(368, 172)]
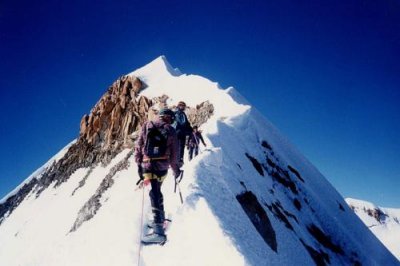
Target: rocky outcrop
[(105, 132), (110, 127), (375, 213), (7, 207), (199, 114), (116, 115), (89, 210), (378, 214)]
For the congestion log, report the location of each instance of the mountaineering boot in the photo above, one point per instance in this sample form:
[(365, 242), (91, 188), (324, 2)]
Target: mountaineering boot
[(157, 237), (159, 218)]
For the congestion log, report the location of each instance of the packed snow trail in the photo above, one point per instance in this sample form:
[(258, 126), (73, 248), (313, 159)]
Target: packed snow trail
[(193, 226)]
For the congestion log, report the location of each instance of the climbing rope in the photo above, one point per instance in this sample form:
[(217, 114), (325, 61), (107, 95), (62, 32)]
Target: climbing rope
[(141, 227)]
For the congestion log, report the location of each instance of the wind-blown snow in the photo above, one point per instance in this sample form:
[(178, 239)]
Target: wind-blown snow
[(211, 227)]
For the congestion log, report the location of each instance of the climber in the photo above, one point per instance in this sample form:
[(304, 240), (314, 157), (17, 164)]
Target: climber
[(182, 127), (194, 142), (156, 149)]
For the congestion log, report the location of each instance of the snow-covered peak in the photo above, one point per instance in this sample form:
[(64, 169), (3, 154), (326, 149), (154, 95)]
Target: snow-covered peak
[(162, 79), (383, 222), (249, 198), (360, 204), (158, 67), (372, 214)]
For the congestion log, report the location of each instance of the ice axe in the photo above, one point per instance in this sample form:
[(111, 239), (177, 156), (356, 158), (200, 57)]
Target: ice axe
[(177, 181)]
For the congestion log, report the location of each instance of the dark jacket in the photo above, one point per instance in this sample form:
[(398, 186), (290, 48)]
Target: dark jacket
[(171, 152), (182, 124)]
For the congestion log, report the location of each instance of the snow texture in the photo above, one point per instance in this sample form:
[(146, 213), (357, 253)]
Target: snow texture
[(250, 198)]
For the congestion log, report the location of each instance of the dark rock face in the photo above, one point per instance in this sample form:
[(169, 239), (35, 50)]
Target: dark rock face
[(256, 164), (294, 171), (324, 239), (12, 202), (83, 181), (320, 245), (258, 217), (375, 213), (320, 258), (280, 213), (116, 115), (109, 128)]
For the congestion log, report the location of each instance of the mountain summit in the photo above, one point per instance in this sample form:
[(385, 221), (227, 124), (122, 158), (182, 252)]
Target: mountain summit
[(251, 198)]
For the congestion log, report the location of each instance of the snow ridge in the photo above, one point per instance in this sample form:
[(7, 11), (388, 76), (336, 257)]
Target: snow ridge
[(250, 198), (39, 171)]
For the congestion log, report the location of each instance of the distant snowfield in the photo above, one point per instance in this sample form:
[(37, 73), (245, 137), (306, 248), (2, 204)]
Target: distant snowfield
[(388, 230), (211, 227)]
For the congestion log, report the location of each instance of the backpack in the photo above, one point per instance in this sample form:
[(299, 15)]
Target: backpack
[(181, 124), (156, 142)]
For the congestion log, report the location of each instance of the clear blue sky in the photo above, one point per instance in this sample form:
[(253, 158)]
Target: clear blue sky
[(326, 73)]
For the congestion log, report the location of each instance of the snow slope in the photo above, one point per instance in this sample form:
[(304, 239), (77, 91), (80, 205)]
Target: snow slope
[(383, 222), (250, 198), (39, 171)]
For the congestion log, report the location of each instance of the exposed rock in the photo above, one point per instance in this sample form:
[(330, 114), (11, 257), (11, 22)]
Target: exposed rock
[(83, 180), (296, 173), (320, 258), (256, 164), (258, 217), (111, 126), (266, 145), (297, 204), (376, 213), (201, 113), (89, 210), (324, 239), (277, 210), (13, 201), (116, 115)]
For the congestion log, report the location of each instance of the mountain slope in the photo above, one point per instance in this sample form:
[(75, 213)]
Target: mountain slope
[(383, 222), (250, 198)]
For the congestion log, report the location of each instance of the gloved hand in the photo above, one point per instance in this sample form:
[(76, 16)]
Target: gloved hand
[(140, 171), (146, 182)]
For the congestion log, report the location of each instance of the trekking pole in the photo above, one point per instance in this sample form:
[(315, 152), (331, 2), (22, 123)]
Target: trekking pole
[(177, 181), (180, 193)]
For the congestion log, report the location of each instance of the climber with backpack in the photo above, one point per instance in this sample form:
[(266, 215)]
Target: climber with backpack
[(194, 142), (182, 127), (156, 150)]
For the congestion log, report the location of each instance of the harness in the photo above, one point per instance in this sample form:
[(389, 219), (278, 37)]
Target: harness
[(147, 159)]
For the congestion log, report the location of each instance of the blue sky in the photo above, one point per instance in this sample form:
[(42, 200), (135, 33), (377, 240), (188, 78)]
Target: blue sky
[(326, 73)]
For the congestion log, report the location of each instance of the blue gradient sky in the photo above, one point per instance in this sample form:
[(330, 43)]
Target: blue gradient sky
[(326, 73)]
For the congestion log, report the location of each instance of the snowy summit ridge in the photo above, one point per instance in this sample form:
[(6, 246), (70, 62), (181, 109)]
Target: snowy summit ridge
[(250, 198)]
